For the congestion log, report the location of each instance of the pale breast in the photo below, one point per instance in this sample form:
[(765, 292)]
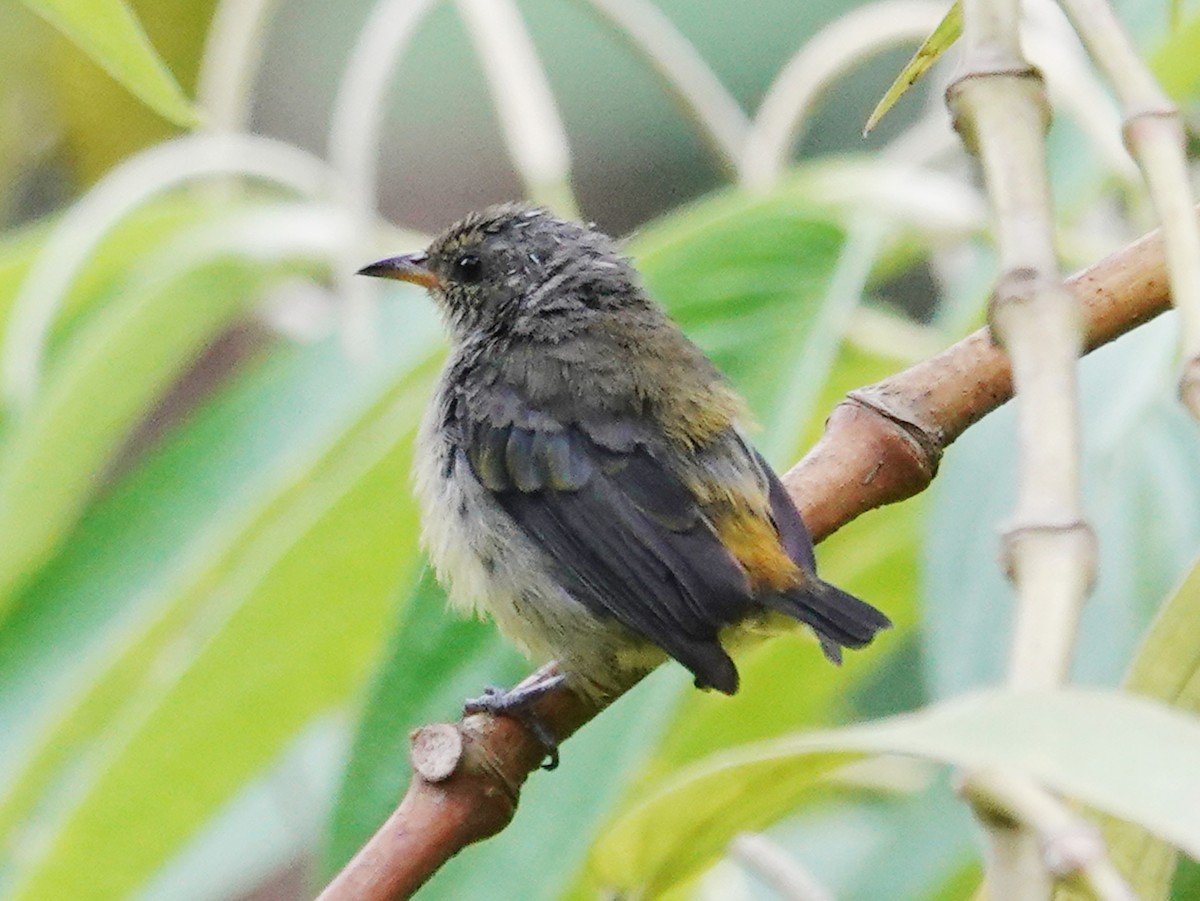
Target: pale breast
[(490, 567)]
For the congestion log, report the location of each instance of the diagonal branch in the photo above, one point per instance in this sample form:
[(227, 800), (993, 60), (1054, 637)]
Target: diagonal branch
[(882, 444)]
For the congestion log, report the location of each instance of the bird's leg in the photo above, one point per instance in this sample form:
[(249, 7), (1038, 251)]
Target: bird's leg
[(516, 703)]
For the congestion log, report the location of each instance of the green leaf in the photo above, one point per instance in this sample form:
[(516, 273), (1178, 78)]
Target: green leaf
[(1075, 742), (436, 660), (745, 276), (1167, 668), (113, 371), (231, 590), (109, 33), (1175, 62), (946, 33)]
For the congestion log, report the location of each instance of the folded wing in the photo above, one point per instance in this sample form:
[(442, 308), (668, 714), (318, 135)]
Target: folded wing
[(625, 535)]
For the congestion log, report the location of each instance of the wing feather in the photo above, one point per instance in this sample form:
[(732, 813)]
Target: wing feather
[(625, 535)]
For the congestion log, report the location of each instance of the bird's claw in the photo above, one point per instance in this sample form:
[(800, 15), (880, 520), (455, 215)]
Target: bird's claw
[(516, 703)]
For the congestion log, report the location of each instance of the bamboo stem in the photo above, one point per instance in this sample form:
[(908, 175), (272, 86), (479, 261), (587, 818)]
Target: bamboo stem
[(1068, 846), (1001, 112), (1154, 135)]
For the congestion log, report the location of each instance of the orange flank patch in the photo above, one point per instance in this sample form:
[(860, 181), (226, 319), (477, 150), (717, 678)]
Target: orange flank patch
[(755, 543)]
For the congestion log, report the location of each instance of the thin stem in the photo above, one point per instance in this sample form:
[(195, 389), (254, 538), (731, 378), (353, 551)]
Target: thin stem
[(1155, 137), (777, 868), (232, 52), (687, 75), (126, 187), (533, 130), (1074, 88), (354, 138), (843, 44), (1001, 112), (1068, 845)]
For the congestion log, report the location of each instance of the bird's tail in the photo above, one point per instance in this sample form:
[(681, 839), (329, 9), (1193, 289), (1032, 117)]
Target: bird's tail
[(840, 619)]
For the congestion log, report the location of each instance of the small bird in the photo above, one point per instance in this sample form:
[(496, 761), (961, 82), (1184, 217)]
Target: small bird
[(585, 474)]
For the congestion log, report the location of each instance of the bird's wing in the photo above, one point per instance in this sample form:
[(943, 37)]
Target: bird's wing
[(627, 538)]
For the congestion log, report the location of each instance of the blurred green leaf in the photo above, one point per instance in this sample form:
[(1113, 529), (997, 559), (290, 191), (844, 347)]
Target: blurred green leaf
[(259, 615), (109, 33), (938, 42), (1167, 668), (165, 314), (1075, 742), (745, 276), (1175, 62), (133, 239), (436, 661)]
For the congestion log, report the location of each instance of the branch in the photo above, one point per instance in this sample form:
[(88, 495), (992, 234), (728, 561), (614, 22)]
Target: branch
[(881, 445)]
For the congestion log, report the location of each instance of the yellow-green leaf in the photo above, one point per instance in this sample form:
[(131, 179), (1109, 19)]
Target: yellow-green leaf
[(1167, 667), (109, 33), (1176, 64), (1075, 742), (171, 306), (934, 46), (235, 583)]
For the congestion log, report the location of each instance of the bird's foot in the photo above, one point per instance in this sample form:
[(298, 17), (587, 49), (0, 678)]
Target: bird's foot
[(515, 703)]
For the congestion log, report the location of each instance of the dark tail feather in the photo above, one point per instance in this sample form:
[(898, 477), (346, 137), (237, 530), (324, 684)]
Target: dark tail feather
[(840, 619)]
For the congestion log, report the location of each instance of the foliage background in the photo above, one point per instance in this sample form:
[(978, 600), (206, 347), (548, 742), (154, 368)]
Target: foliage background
[(215, 631)]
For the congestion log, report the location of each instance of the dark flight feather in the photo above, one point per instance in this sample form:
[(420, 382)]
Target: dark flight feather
[(626, 537), (839, 618), (629, 541)]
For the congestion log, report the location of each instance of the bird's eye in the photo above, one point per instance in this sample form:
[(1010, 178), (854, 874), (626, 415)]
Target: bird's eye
[(468, 268)]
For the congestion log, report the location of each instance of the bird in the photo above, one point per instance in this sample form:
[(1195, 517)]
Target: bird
[(585, 475)]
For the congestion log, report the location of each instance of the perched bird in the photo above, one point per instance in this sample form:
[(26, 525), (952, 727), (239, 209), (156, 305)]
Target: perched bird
[(584, 472)]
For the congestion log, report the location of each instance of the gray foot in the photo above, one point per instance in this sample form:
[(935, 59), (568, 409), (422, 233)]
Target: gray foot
[(516, 703)]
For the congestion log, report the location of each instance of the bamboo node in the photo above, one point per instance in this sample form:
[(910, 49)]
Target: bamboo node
[(1137, 123), (1072, 849), (1189, 384), (1076, 530), (1020, 75)]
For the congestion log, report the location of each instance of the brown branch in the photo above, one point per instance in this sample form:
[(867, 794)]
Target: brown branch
[(881, 445)]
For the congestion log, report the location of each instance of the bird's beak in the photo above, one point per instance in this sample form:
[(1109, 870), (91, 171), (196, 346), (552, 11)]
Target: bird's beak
[(411, 267)]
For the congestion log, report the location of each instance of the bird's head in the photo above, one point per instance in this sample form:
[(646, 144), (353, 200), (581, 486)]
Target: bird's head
[(517, 269)]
